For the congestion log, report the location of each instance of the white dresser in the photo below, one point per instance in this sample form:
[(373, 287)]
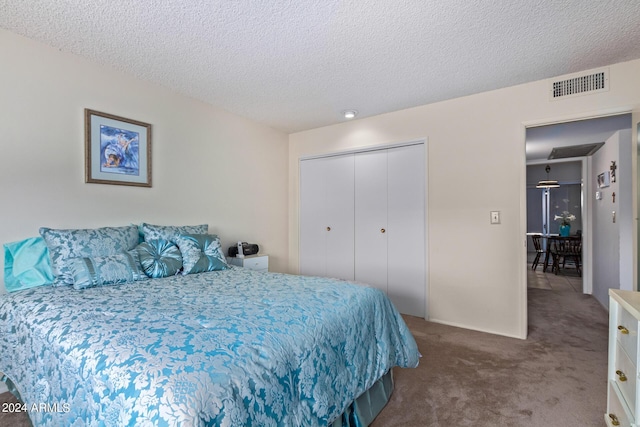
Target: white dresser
[(258, 262), (622, 374)]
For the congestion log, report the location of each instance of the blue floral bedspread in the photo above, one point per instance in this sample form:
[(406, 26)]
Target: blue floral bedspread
[(229, 348)]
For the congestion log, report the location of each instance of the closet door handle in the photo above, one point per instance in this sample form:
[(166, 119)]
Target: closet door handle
[(328, 228), (621, 375), (623, 330), (382, 230)]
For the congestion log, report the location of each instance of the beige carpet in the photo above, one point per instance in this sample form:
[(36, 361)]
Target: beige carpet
[(556, 377), (11, 419)]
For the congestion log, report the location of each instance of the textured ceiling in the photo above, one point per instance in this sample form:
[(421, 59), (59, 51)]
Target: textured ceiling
[(295, 65)]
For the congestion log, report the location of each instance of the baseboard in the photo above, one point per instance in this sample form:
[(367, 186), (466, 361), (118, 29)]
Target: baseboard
[(486, 331)]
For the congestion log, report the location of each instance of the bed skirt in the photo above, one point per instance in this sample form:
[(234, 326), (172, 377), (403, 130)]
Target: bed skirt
[(12, 388), (368, 405), (360, 413)]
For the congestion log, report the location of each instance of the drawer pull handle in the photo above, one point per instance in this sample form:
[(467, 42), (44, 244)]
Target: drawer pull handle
[(623, 330), (382, 230), (614, 420), (621, 375), (329, 229)]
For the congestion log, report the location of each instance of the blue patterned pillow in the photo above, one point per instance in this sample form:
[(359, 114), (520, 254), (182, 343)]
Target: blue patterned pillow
[(170, 232), (106, 270), (159, 258), (200, 253), (65, 245)]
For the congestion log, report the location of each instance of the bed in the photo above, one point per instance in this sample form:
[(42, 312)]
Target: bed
[(229, 347)]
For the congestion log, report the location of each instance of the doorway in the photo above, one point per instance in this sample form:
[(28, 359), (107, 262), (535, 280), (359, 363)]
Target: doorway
[(566, 142), (552, 211)]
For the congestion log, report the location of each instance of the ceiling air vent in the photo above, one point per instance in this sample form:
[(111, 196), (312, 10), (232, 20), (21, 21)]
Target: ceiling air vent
[(574, 151), (580, 84)]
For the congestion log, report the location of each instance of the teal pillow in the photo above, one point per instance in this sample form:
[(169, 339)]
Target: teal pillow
[(170, 232), (26, 264), (65, 245), (200, 253), (159, 258), (106, 270)]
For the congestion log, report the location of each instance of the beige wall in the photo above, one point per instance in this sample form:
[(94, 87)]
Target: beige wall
[(208, 165), (476, 164)]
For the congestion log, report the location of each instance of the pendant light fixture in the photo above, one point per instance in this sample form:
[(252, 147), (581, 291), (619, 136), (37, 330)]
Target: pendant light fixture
[(548, 183)]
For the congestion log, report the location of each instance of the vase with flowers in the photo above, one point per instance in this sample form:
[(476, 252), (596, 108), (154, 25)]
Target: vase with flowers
[(565, 219)]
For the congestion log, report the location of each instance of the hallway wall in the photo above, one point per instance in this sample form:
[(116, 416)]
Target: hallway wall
[(610, 251)]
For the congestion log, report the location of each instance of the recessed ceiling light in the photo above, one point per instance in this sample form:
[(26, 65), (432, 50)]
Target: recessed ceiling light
[(349, 114)]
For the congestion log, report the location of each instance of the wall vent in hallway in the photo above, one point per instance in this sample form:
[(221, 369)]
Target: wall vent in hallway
[(580, 84)]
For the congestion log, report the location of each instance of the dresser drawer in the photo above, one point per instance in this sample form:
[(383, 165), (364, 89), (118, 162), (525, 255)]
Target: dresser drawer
[(617, 409), (625, 376), (627, 332)]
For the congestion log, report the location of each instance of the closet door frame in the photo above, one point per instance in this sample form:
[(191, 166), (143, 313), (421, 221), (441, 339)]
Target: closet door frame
[(423, 141)]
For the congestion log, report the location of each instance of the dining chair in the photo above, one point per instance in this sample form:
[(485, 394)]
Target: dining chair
[(537, 244), (565, 249)]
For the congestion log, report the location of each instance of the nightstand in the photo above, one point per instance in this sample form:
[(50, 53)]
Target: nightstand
[(258, 262)]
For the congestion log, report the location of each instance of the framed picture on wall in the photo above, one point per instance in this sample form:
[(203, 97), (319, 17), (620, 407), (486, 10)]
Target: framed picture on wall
[(117, 150), (604, 179)]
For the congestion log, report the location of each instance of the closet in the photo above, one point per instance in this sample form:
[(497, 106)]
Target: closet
[(362, 218)]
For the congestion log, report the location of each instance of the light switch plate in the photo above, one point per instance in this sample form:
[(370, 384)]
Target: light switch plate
[(495, 217)]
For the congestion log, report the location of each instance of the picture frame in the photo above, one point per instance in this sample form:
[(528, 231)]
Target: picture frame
[(117, 150), (604, 180)]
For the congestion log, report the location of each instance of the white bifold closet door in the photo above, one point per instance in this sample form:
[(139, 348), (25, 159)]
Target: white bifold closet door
[(327, 217), (390, 224), (406, 251), (371, 219), (362, 217)]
